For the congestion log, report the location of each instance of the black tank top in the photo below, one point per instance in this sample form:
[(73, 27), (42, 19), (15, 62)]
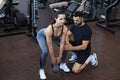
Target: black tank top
[(56, 37)]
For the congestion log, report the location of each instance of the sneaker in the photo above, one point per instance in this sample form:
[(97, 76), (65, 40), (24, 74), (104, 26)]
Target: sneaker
[(42, 74), (94, 59), (88, 59), (73, 58), (64, 67)]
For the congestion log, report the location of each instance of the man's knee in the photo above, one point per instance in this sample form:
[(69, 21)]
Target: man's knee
[(75, 70), (77, 67)]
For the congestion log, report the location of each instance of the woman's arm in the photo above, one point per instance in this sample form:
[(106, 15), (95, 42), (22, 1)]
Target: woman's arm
[(63, 41), (62, 44), (68, 37), (50, 43)]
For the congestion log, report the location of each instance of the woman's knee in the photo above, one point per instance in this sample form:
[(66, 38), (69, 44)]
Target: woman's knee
[(38, 37), (45, 52)]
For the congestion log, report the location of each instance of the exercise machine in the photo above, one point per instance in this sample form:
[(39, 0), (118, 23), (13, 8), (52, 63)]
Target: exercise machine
[(11, 19), (109, 13), (32, 18), (89, 7), (90, 10)]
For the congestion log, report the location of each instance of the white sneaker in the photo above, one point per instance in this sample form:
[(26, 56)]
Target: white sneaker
[(73, 58), (42, 74), (88, 59), (94, 59), (64, 67)]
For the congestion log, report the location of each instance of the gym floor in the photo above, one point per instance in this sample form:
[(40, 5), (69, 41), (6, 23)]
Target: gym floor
[(19, 54)]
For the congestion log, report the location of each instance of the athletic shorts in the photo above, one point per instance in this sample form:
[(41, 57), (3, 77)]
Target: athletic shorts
[(81, 56)]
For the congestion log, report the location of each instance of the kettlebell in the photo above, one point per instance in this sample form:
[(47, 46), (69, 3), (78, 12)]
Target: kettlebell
[(55, 67)]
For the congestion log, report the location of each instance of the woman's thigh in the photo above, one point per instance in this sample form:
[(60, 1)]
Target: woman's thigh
[(42, 40)]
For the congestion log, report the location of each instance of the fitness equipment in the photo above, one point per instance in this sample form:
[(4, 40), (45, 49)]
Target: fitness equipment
[(55, 68), (2, 2), (33, 16), (109, 14), (89, 8), (53, 1), (11, 19), (72, 7)]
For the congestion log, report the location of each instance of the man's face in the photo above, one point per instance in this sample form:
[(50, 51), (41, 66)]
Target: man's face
[(78, 20)]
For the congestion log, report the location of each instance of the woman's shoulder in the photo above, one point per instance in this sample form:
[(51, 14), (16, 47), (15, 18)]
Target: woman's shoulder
[(49, 29), (65, 26)]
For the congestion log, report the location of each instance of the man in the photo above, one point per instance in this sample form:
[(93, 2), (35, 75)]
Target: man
[(81, 45)]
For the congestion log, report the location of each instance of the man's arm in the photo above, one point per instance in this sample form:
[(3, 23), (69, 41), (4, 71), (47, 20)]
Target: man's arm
[(83, 46)]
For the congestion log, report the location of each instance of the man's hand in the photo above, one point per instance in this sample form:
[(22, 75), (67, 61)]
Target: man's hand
[(68, 47)]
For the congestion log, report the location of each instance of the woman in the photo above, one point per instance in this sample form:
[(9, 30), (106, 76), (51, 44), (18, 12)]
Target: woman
[(54, 33)]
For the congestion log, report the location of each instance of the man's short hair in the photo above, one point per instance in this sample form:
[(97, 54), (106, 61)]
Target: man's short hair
[(79, 14)]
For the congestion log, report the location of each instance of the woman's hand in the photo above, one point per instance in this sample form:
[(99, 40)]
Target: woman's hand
[(58, 60), (54, 60)]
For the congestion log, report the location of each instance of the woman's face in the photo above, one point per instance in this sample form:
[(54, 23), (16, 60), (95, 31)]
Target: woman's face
[(60, 20)]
